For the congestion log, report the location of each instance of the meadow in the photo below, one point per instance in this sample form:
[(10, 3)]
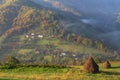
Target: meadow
[(69, 46), (59, 73)]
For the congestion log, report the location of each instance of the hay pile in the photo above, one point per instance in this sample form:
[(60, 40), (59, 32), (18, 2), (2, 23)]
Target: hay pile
[(90, 66), (107, 64)]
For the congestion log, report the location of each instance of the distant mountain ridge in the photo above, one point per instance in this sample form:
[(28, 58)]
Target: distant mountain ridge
[(90, 9)]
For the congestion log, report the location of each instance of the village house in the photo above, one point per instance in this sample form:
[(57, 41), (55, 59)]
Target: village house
[(34, 36), (63, 54), (40, 36), (73, 55), (27, 36)]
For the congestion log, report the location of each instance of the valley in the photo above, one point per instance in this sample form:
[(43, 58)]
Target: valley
[(33, 32), (59, 39)]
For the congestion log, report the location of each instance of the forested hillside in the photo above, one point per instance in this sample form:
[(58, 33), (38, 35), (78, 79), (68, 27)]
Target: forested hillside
[(36, 34)]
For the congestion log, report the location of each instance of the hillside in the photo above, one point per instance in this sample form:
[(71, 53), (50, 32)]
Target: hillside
[(35, 33), (99, 14)]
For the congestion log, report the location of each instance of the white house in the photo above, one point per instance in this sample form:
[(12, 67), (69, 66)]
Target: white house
[(40, 36), (63, 54), (73, 55), (27, 36), (32, 34)]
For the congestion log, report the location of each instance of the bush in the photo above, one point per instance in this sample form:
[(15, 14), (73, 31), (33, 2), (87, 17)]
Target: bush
[(0, 63), (7, 67), (97, 60), (12, 61)]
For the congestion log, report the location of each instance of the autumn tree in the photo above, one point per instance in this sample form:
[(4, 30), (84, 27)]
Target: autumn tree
[(10, 60), (78, 39)]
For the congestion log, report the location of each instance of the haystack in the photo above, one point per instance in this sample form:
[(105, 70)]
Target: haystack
[(107, 64), (90, 66)]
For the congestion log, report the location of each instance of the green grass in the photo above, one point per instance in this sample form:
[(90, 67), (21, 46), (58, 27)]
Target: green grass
[(9, 79), (50, 73), (67, 46), (34, 70), (43, 42), (115, 67), (25, 51)]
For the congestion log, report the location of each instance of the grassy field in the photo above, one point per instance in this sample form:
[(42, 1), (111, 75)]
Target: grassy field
[(49, 73), (67, 46)]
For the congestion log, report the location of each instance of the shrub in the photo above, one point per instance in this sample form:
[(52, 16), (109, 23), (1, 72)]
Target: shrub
[(12, 61), (0, 63)]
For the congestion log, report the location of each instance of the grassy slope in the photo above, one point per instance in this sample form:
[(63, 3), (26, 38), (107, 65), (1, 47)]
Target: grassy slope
[(74, 73), (67, 46), (64, 45)]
